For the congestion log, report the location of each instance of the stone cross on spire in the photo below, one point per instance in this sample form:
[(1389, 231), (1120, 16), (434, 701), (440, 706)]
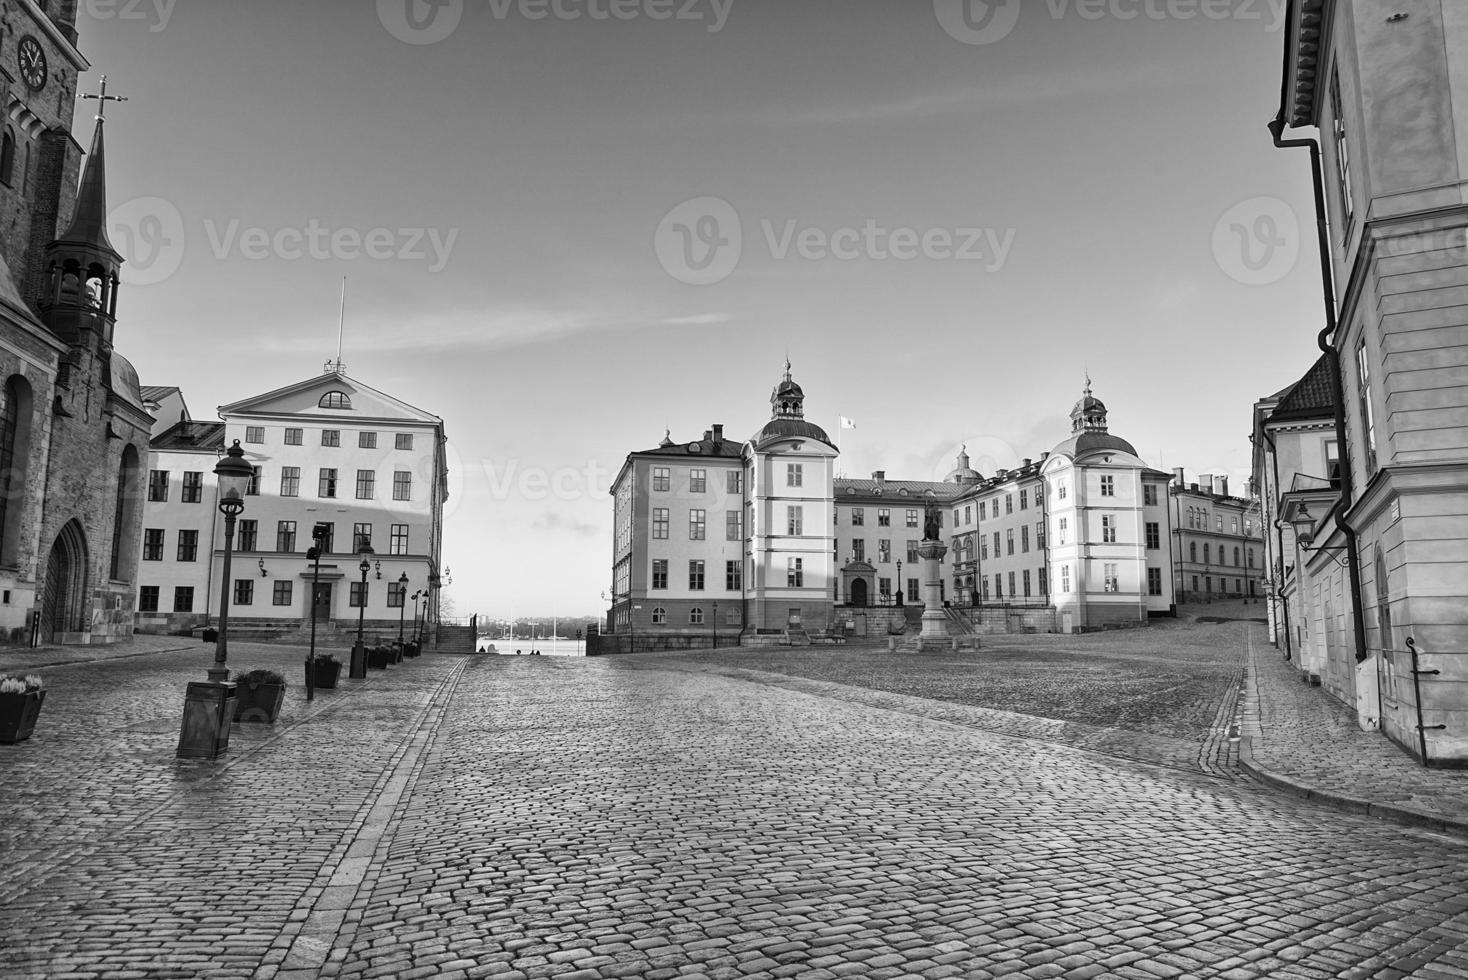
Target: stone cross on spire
[(102, 99)]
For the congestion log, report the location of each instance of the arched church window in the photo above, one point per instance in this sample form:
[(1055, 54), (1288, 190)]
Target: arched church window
[(335, 399), (7, 157)]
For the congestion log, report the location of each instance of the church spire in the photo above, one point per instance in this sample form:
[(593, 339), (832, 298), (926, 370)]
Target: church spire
[(89, 217)]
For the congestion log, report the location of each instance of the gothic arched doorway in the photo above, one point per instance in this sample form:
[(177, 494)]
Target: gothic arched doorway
[(64, 603), (858, 592)]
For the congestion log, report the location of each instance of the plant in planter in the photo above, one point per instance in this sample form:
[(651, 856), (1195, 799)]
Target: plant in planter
[(261, 693), (20, 706), (379, 657), (322, 670)]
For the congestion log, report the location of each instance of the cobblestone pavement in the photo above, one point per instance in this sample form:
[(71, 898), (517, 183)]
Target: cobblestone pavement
[(1310, 742), (625, 817)]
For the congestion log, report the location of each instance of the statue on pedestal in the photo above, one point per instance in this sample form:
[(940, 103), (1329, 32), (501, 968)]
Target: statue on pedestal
[(932, 529)]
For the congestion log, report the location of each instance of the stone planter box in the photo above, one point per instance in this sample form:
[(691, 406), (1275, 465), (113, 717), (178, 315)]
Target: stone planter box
[(18, 714), (379, 657), (323, 673), (258, 702)]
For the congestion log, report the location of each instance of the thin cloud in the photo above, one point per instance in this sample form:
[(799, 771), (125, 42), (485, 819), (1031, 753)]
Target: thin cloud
[(555, 522)]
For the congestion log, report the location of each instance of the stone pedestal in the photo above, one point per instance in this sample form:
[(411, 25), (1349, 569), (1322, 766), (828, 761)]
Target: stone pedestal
[(935, 624)]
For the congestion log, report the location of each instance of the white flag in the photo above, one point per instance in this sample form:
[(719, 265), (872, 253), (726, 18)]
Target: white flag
[(846, 423)]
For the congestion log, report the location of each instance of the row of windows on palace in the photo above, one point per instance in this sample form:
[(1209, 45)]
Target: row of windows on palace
[(285, 539), (192, 489), (366, 439), (282, 594)]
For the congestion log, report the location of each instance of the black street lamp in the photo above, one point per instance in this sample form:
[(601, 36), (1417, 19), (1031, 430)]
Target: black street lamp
[(899, 581), (423, 621), (716, 626), (403, 605), (234, 479), (209, 705), (318, 534), (359, 651)]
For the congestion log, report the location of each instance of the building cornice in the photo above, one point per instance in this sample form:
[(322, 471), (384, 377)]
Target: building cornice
[(1309, 25), (1391, 482)]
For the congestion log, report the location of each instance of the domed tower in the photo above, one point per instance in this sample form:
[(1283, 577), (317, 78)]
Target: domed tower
[(787, 415), (963, 473), (1089, 414)]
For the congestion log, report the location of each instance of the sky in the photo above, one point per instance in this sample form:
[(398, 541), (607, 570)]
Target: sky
[(568, 225)]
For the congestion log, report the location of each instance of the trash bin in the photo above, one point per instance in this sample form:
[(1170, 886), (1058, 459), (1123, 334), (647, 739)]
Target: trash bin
[(208, 711)]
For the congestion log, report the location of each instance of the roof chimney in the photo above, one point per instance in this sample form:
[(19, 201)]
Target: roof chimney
[(1027, 462), (1177, 477), (879, 475), (718, 433), (1222, 486), (1205, 482)]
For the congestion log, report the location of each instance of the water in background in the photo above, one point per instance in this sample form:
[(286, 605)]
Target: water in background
[(547, 648)]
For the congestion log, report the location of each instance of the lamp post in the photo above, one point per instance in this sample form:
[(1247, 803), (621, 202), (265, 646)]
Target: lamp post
[(314, 553), (403, 605), (209, 706), (418, 627), (899, 581), (716, 626), (359, 651)]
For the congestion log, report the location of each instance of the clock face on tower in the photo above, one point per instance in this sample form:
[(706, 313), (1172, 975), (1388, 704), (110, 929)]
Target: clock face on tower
[(32, 63)]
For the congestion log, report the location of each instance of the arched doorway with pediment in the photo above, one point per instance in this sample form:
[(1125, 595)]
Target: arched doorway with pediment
[(64, 606)]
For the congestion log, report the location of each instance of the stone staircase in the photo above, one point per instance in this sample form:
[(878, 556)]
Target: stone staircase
[(456, 639)]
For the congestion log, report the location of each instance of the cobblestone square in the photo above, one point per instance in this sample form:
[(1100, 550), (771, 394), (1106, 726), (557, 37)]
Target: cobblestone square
[(1058, 807)]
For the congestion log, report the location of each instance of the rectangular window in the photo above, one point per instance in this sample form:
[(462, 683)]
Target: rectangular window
[(912, 554), (366, 484), (397, 594), (326, 483), (285, 536), (1154, 581), (1113, 583), (280, 595), (183, 598), (192, 491), (157, 485), (148, 598), (1009, 503), (1154, 535), (884, 517), (660, 523), (985, 583), (358, 598), (884, 586), (1363, 397), (293, 437), (968, 513), (397, 542), (403, 440), (1044, 582), (912, 518), (1108, 529), (253, 490), (290, 481), (402, 485), (698, 481), (1024, 499), (1065, 578), (244, 591), (1333, 463), (153, 544), (361, 537), (733, 526), (1108, 486), (984, 513), (249, 534), (1342, 155), (661, 478), (255, 434), (858, 517), (327, 537), (697, 524), (1009, 541), (734, 481), (1061, 490), (733, 576), (884, 549), (331, 437), (366, 440), (1218, 522), (983, 547), (859, 549), (912, 588), (1025, 583), (1040, 535), (794, 520), (1024, 538), (794, 474), (1234, 522), (795, 573), (660, 573), (1011, 585), (996, 544), (1149, 494), (695, 576)]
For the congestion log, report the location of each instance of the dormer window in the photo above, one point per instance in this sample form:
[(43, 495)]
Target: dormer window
[(335, 399)]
